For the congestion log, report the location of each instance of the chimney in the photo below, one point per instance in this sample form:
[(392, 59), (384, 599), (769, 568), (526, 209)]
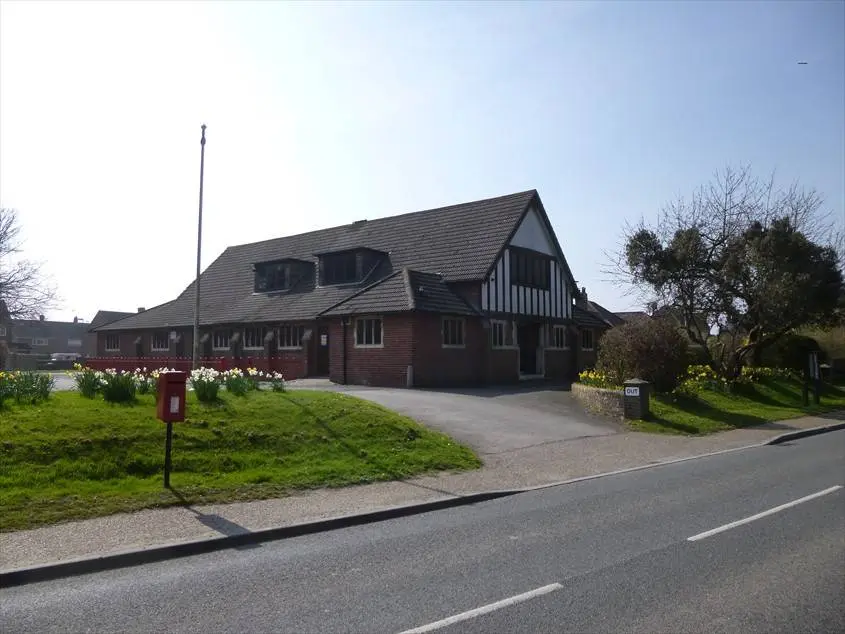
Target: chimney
[(583, 300), (141, 309), (76, 320), (40, 317)]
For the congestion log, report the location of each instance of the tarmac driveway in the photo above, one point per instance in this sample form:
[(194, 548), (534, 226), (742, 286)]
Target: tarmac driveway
[(494, 420)]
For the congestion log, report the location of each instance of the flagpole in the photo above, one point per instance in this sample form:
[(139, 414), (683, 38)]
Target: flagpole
[(196, 338)]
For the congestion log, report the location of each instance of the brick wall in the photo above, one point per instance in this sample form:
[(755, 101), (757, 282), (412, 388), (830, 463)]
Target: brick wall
[(469, 291), (385, 366), (435, 365), (560, 364), (503, 366)]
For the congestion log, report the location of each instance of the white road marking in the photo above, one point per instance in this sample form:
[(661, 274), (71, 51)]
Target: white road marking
[(771, 511), (485, 609)]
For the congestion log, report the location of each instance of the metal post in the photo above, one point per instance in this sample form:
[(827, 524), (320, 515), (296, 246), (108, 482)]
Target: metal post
[(168, 445), (196, 354)]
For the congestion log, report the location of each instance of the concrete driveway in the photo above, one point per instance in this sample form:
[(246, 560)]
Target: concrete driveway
[(494, 420)]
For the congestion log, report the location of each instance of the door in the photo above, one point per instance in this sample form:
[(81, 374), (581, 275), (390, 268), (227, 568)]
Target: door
[(323, 351), (528, 337)]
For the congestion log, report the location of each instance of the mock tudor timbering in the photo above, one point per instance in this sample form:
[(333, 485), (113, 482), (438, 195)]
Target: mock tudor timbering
[(473, 293)]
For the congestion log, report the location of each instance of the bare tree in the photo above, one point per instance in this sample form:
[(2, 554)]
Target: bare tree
[(739, 264), (24, 289)]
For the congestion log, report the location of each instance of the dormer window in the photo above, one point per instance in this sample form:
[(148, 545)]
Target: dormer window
[(280, 275), (339, 268)]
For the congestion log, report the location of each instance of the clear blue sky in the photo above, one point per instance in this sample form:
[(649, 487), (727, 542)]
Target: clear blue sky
[(320, 114)]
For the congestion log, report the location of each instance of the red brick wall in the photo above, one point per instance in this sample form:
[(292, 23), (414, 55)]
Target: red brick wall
[(559, 364), (436, 365), (503, 366), (386, 366)]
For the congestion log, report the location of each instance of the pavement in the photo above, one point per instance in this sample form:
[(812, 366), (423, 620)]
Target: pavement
[(531, 466), (745, 541)]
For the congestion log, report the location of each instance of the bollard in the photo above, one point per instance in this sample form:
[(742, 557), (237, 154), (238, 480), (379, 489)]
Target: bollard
[(636, 400)]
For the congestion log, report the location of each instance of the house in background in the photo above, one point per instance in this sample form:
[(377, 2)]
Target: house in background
[(102, 318), (473, 293), (5, 333), (44, 337)]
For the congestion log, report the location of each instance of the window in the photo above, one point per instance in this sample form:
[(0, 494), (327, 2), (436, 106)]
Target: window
[(38, 341), (271, 276), (2, 331), (560, 338), (254, 338), (74, 343), (499, 334), (453, 332), (338, 268), (586, 339), (529, 268), (290, 336), (160, 342), (368, 333), (220, 340), (112, 343)]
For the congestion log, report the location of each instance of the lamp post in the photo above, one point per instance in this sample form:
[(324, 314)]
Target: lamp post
[(196, 338)]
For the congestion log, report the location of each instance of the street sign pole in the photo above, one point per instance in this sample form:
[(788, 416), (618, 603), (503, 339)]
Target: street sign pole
[(196, 351)]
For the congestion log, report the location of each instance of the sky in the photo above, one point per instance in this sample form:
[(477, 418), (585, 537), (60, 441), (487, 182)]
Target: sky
[(320, 114)]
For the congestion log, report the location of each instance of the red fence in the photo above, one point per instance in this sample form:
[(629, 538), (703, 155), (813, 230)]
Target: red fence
[(292, 366)]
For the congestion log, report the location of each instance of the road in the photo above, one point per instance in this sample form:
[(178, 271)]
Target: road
[(747, 541)]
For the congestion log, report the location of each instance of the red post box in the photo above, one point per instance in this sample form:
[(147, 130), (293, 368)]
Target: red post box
[(171, 396)]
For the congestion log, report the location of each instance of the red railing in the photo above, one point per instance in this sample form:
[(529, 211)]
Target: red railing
[(292, 366)]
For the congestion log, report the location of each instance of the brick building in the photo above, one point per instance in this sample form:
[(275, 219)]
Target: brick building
[(468, 294)]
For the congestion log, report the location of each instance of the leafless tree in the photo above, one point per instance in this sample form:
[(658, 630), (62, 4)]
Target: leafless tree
[(24, 289), (683, 263)]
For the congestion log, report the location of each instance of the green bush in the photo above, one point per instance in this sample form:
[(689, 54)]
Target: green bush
[(26, 388), (791, 352), (206, 384), (649, 349), (118, 387)]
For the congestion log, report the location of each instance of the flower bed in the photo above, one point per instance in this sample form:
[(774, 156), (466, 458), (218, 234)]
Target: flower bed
[(121, 386), (25, 388)]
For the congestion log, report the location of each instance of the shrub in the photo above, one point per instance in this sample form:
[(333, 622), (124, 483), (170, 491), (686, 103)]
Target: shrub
[(87, 381), (7, 387), (117, 387), (649, 349), (236, 382), (791, 351), (255, 377), (206, 384)]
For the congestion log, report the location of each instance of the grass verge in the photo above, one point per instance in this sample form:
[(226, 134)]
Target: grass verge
[(72, 458), (749, 405)]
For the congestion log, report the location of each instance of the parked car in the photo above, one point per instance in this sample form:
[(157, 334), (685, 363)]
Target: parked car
[(63, 360)]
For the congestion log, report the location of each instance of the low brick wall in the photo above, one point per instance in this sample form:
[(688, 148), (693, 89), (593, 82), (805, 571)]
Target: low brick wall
[(599, 400)]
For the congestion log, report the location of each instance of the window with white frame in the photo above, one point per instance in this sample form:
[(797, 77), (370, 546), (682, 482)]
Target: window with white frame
[(220, 340), (368, 332), (500, 334), (254, 338), (586, 339), (2, 331), (39, 341), (160, 341), (290, 336), (453, 332), (112, 343), (560, 337)]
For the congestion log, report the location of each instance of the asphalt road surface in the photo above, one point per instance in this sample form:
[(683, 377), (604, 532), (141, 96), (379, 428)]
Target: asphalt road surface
[(748, 541)]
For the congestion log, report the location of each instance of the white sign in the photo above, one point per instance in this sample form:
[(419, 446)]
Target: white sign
[(174, 404), (632, 391), (324, 340)]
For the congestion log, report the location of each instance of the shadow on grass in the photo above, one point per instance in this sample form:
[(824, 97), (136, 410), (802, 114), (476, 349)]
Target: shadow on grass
[(398, 477), (215, 522)]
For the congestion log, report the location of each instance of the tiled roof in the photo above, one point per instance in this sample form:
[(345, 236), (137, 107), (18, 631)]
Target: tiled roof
[(459, 242), (403, 291), (587, 318), (611, 319), (632, 315), (37, 329), (104, 317)]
